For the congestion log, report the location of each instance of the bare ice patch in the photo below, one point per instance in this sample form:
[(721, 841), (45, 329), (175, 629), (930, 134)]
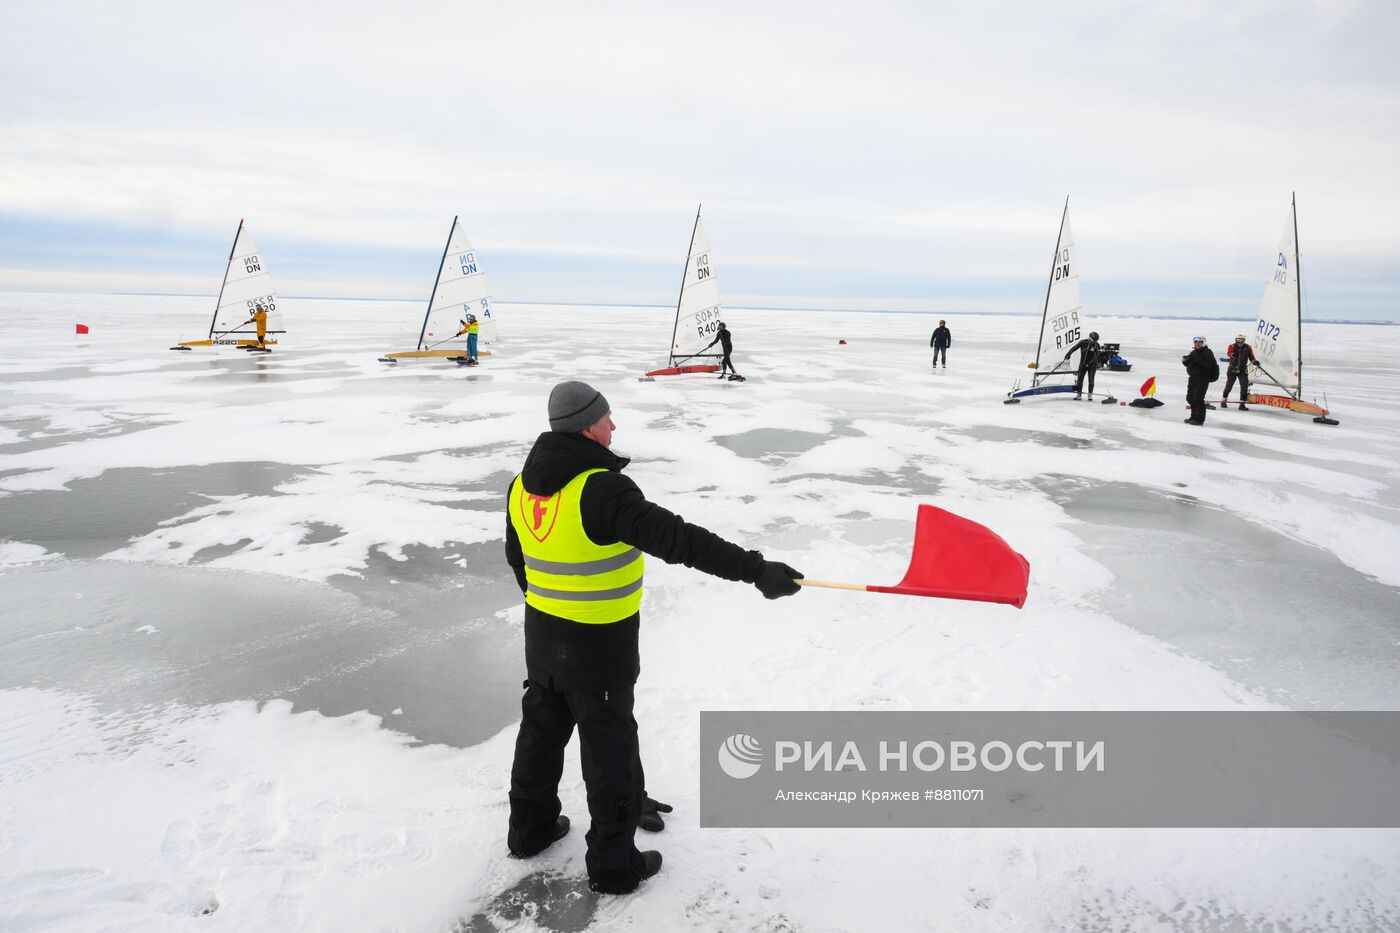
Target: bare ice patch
[(133, 635)]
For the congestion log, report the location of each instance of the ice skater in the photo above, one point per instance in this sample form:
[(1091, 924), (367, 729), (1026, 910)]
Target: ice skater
[(940, 341)]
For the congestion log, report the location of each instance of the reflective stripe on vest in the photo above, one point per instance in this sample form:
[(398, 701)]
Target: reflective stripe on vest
[(566, 573)]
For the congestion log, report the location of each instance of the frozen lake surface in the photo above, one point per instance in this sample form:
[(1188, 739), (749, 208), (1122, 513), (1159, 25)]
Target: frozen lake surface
[(262, 655)]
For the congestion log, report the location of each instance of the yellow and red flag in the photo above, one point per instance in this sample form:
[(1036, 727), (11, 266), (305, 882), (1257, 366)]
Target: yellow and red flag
[(1149, 388)]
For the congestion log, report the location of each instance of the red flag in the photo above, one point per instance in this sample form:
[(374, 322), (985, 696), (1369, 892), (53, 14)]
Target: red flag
[(955, 558), (82, 328), (1149, 387)]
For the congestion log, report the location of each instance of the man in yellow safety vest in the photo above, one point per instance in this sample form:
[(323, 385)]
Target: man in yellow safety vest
[(576, 533)]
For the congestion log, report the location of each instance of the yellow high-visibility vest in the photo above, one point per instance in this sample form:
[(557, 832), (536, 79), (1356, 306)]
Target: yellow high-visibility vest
[(566, 574)]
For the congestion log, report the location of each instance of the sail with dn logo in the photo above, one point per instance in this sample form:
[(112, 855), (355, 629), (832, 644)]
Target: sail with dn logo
[(1277, 337), (697, 312), (246, 288), (459, 290), (1062, 321)]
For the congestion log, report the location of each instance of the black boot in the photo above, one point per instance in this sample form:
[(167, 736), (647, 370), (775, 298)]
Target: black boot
[(561, 829), (644, 865)]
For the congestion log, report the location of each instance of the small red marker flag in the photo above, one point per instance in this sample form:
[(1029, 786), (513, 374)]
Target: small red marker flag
[(82, 328)]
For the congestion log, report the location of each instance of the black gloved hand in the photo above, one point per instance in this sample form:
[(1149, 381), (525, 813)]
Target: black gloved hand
[(777, 579), (651, 820)]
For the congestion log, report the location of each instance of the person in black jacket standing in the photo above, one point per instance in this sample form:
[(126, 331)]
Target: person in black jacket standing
[(576, 531), (941, 340), (726, 342), (1201, 370), (1088, 350), (1241, 355)]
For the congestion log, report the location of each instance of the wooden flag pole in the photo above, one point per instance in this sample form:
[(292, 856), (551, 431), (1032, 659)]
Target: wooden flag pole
[(831, 586)]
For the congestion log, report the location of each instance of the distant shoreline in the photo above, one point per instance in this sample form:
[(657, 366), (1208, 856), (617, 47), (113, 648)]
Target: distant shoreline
[(738, 307)]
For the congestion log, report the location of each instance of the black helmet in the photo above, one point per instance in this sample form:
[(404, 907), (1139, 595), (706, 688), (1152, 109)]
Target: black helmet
[(1093, 335)]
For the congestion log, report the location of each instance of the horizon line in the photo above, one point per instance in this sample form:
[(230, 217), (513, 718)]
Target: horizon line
[(810, 309)]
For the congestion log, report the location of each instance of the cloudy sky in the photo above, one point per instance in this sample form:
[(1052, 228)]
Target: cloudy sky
[(872, 155)]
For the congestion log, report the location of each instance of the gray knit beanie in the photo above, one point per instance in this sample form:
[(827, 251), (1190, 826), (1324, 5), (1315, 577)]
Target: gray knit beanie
[(575, 407)]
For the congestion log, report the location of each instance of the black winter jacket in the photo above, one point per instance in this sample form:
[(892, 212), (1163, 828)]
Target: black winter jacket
[(724, 339), (1088, 353), (1201, 364), (942, 337), (569, 655), (1241, 355)]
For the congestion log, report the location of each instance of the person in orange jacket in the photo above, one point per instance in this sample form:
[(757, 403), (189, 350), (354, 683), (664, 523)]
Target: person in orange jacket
[(260, 319)]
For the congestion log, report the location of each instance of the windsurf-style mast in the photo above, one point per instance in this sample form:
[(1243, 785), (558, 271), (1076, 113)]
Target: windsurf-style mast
[(224, 284), (428, 313), (1049, 284), (1277, 339), (246, 288), (1298, 284), (685, 271), (1278, 331)]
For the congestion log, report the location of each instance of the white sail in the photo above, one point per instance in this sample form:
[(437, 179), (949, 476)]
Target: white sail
[(461, 290), (698, 310), (1063, 324), (246, 285), (1278, 333)]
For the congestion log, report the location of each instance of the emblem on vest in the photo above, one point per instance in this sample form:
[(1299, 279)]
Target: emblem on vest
[(538, 513)]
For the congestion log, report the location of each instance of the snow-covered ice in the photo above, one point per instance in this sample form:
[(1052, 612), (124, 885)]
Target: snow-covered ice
[(261, 653)]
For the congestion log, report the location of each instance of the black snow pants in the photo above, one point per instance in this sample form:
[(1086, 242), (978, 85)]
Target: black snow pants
[(1230, 378), (612, 773), (1079, 379), (1196, 397)]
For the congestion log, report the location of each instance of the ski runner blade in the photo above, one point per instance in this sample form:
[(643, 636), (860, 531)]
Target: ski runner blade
[(682, 370)]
